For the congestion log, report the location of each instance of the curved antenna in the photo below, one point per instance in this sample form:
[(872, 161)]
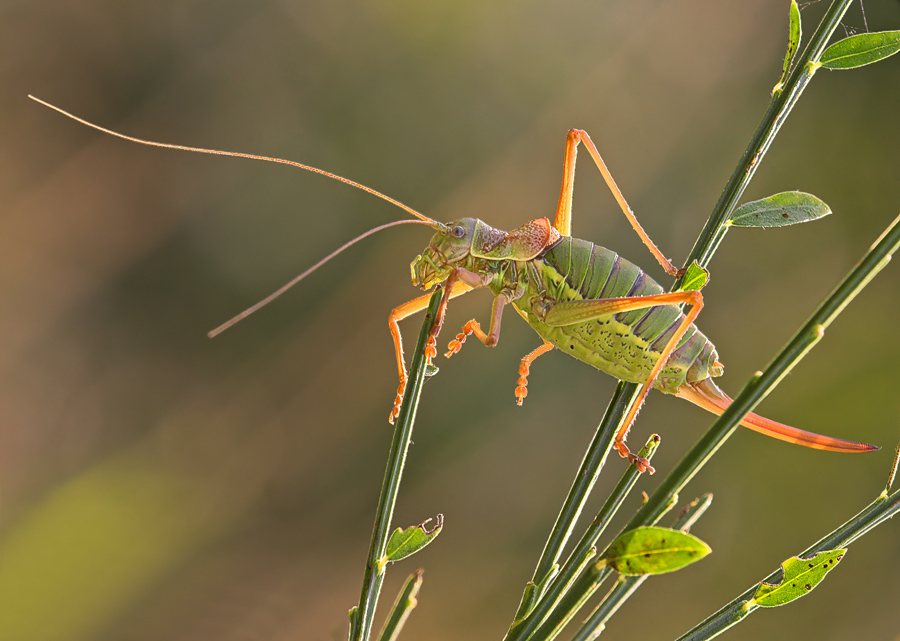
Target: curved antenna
[(422, 219), (217, 152), (278, 292)]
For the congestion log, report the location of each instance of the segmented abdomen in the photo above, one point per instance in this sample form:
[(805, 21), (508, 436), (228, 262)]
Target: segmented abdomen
[(625, 345)]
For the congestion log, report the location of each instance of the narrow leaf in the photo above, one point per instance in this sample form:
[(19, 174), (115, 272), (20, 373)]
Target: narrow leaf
[(654, 550), (406, 542), (694, 278), (794, 33), (778, 210), (861, 49), (800, 577), (531, 595), (405, 603)]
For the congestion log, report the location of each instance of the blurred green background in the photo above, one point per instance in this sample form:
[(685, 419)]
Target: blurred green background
[(160, 485)]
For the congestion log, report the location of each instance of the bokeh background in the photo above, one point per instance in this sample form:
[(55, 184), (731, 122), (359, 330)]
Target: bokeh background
[(160, 485)]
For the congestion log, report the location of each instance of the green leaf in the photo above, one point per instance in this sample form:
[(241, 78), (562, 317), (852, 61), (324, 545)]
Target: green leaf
[(694, 278), (800, 577), (778, 210), (794, 33), (861, 49), (654, 550), (406, 542)]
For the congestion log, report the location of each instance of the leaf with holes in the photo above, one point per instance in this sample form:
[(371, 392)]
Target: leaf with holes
[(778, 210), (406, 542), (794, 33), (654, 550), (800, 577), (861, 49)]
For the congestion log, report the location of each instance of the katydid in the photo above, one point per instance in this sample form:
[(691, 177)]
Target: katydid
[(580, 298)]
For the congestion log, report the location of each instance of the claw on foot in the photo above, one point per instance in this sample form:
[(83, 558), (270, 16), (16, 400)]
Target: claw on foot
[(642, 464), (521, 390), (431, 348), (522, 383), (455, 345), (395, 411)]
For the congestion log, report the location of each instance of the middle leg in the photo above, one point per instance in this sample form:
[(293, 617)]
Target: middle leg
[(474, 327)]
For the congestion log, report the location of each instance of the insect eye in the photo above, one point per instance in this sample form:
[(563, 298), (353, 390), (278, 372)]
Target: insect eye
[(458, 232)]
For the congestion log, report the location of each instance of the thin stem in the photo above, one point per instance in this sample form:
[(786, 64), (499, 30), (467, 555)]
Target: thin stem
[(779, 108), (594, 626), (582, 589), (406, 601), (593, 462), (879, 511), (362, 615), (584, 550)]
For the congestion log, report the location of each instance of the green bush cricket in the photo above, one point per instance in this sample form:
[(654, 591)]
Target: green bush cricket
[(580, 298)]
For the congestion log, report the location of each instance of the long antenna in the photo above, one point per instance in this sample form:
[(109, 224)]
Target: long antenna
[(217, 152), (422, 219), (278, 292)]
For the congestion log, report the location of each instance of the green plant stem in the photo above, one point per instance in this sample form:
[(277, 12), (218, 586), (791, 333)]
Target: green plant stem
[(593, 462), (362, 615), (626, 585), (780, 106), (879, 511), (406, 601), (594, 626), (584, 550)]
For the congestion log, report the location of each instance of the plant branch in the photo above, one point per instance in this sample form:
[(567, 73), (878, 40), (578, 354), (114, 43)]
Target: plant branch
[(780, 106), (361, 616), (593, 462), (584, 550), (879, 511)]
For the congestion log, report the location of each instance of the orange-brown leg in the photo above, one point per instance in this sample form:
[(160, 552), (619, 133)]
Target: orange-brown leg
[(399, 313), (525, 369), (571, 312), (695, 300), (563, 220), (473, 327)]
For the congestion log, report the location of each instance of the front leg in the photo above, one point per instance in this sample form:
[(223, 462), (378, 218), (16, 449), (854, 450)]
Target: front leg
[(399, 313), (458, 276)]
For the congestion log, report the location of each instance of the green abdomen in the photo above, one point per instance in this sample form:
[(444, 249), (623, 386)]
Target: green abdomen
[(623, 345)]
